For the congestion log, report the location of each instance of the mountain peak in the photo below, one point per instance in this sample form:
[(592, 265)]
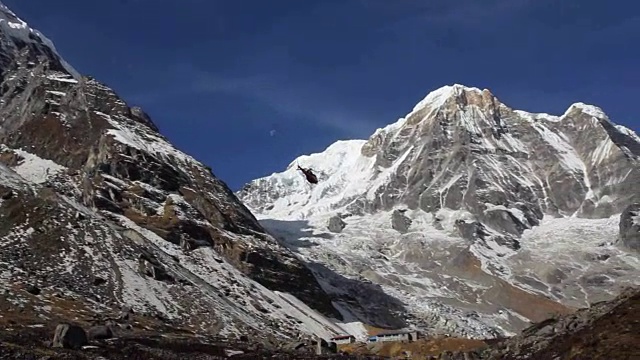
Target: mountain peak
[(18, 29), (438, 97), (514, 189), (418, 160), (587, 109)]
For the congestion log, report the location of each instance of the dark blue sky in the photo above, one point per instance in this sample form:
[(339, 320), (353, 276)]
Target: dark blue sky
[(218, 76)]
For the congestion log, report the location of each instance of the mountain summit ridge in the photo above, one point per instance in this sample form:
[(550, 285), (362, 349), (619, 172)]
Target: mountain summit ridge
[(466, 174), (460, 94), (446, 99)]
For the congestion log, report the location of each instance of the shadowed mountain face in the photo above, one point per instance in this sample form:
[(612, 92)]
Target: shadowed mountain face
[(97, 204), (466, 204)]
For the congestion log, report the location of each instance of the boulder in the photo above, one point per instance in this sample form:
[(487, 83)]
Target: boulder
[(125, 314), (470, 230), (69, 336), (336, 224), (399, 221), (34, 290)]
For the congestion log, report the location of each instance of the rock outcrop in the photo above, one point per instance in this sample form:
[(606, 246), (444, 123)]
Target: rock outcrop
[(399, 221), (630, 227), (69, 337)]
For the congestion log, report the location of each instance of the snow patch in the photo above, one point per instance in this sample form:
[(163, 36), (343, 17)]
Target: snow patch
[(636, 218), (406, 266), (9, 178), (590, 110), (438, 97), (342, 172), (628, 132), (57, 93), (517, 213), (36, 169), (208, 270), (141, 294), (62, 78), (384, 176), (603, 151), (138, 136)]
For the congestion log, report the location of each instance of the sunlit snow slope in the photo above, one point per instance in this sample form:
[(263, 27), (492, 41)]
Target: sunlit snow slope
[(513, 214)]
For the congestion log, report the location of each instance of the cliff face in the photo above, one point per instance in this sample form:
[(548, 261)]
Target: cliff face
[(91, 190)]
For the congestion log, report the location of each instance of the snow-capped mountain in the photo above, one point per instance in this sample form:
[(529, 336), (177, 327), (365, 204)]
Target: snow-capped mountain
[(99, 209), (466, 204), (449, 219), (18, 37)]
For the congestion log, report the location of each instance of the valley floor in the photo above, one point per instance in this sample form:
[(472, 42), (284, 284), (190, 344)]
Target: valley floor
[(446, 284), (606, 330), (419, 349)]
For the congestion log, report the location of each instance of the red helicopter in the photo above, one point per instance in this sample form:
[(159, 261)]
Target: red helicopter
[(311, 177)]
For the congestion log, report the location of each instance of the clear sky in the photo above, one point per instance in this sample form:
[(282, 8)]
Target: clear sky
[(248, 85)]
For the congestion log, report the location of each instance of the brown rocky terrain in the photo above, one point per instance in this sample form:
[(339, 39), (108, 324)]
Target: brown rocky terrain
[(606, 330), (30, 318), (99, 194), (135, 181), (420, 349), (98, 208)]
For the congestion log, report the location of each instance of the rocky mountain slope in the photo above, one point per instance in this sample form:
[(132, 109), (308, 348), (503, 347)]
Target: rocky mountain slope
[(605, 330), (478, 217), (98, 209)]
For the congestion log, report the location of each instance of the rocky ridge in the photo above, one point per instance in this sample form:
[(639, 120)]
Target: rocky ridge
[(97, 206)]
